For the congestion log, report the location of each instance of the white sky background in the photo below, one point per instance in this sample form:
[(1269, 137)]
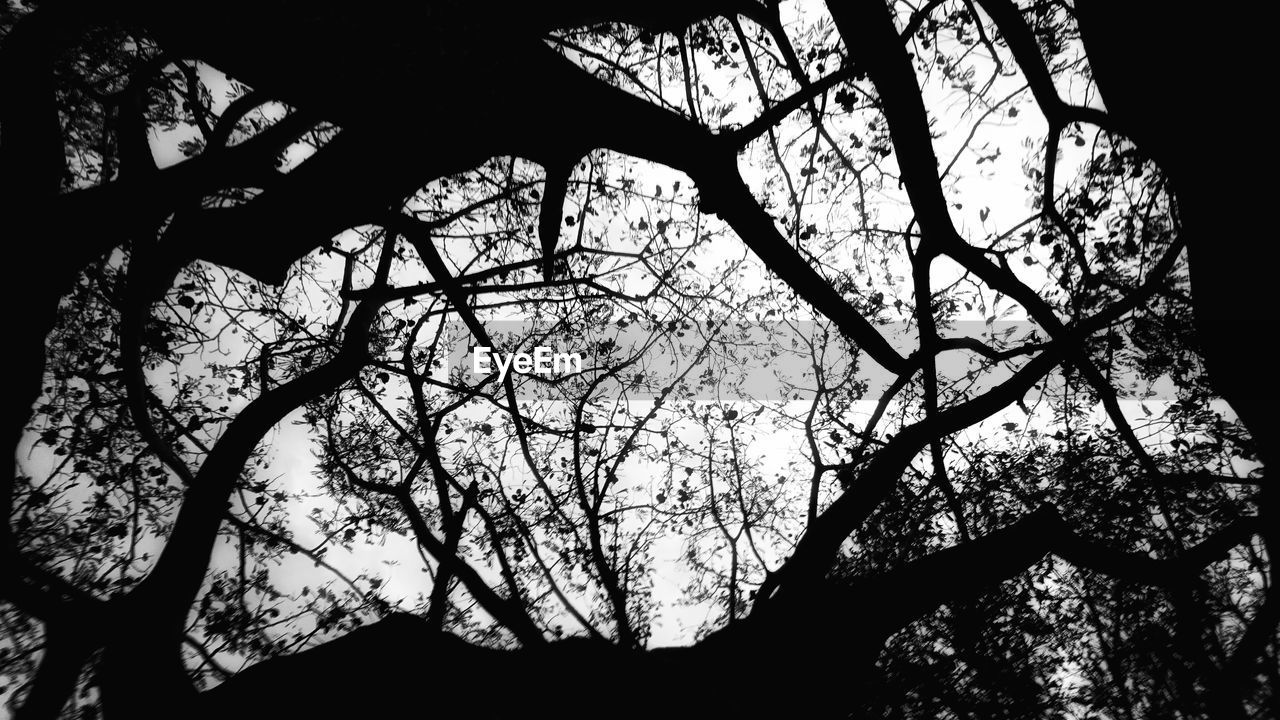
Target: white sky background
[(989, 195)]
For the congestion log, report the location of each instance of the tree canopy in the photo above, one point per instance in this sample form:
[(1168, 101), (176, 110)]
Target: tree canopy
[(918, 375)]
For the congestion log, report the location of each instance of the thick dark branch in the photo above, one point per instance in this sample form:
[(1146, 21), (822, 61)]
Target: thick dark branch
[(816, 551), (168, 590), (506, 611), (1139, 567), (301, 211), (957, 573), (870, 31), (725, 194), (89, 222), (32, 162), (778, 112), (817, 548), (876, 48), (1026, 52), (66, 649), (965, 570), (235, 112), (551, 213)]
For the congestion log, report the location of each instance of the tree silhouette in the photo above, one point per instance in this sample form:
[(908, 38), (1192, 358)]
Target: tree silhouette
[(252, 478)]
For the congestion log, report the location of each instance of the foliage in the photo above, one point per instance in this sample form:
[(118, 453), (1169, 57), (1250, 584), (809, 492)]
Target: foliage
[(732, 429)]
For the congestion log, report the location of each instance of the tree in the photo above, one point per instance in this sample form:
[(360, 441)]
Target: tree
[(253, 242)]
